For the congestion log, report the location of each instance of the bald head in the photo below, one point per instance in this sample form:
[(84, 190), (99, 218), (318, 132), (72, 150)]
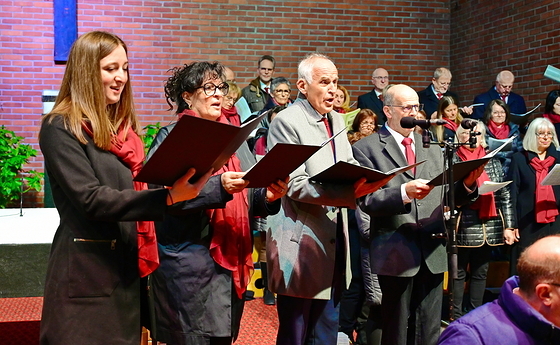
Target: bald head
[(397, 99), (230, 75), (380, 79), (539, 277), (504, 82)]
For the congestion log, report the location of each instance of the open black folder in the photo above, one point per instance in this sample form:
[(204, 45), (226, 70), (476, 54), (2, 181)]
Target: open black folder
[(280, 161), (462, 169), (348, 173), (194, 143)]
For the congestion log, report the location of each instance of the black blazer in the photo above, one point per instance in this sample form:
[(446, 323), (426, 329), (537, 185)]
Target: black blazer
[(371, 101), (430, 100)]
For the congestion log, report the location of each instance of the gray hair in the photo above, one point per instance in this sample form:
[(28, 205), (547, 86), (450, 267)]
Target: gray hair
[(441, 71), (530, 142), (279, 81), (305, 67), (480, 128)]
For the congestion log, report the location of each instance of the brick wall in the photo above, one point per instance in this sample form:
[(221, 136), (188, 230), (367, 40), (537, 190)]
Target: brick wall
[(409, 38), (522, 36)]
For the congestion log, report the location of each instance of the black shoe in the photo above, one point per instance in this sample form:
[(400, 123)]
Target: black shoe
[(268, 297)]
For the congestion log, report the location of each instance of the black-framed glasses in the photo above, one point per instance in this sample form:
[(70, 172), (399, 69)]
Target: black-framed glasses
[(210, 88), (407, 109), (281, 91), (381, 77)]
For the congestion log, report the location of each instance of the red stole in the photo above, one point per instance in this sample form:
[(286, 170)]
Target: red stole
[(554, 118), (499, 132), (130, 150), (451, 125), (231, 245), (545, 201), (486, 203), (232, 116)]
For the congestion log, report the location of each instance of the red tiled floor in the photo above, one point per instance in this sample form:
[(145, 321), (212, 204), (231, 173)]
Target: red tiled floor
[(259, 324)]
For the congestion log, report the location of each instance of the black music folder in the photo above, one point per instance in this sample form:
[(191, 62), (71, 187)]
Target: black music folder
[(196, 143), (348, 173), (280, 161)]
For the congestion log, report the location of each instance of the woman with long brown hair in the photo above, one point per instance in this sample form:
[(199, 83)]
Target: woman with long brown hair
[(106, 240)]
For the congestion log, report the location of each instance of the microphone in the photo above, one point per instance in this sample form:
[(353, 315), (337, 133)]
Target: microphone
[(411, 122), (469, 123)]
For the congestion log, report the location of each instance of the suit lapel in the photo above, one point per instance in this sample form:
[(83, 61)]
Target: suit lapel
[(421, 153), (392, 148)]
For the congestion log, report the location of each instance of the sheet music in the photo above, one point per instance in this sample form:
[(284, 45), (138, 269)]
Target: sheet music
[(489, 186), (553, 177), (493, 153), (529, 112)]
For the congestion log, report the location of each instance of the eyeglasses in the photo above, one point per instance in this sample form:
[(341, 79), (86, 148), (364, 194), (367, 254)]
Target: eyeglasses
[(210, 88), (505, 86), (544, 135), (381, 78), (407, 109), (444, 83), (281, 91)]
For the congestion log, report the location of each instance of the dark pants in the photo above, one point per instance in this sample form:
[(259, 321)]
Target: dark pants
[(411, 308), (479, 259), (306, 321)]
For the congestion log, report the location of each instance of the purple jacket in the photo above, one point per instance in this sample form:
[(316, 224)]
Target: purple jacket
[(507, 320)]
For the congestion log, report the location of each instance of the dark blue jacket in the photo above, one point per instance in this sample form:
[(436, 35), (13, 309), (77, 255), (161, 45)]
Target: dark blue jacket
[(515, 102)]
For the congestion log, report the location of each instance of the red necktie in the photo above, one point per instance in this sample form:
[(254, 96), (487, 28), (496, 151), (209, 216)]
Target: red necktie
[(266, 89), (409, 153), (503, 98), (328, 128), (380, 97), (439, 95)]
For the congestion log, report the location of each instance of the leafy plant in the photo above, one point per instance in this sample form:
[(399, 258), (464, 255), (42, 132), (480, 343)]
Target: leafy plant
[(13, 155), (150, 132)]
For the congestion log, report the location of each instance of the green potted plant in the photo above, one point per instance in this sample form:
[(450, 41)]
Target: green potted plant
[(14, 154)]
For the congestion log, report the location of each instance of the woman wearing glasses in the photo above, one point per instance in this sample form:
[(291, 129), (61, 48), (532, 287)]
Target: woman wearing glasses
[(535, 206), (497, 119), (205, 246), (280, 91)]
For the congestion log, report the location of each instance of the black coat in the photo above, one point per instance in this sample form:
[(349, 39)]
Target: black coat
[(523, 199), (92, 288)]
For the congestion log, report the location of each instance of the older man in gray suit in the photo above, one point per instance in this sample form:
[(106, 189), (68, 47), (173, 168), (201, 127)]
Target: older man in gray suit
[(307, 242), (405, 213)]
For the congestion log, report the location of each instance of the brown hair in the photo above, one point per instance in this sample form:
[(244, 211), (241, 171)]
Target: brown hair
[(81, 97)]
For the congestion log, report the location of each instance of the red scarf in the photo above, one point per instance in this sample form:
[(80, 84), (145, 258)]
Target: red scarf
[(501, 132), (451, 125), (231, 245), (340, 110), (554, 118), (486, 203), (232, 116), (545, 201), (130, 150)]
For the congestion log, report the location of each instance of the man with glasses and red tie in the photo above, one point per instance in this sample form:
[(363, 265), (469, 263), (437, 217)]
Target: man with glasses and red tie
[(501, 90), (257, 93), (439, 87), (374, 100), (307, 241), (402, 218)]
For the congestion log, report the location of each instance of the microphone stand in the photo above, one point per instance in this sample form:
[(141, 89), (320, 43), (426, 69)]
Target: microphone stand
[(451, 224)]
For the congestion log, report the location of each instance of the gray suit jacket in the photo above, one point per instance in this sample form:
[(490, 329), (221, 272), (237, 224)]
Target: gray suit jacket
[(401, 233), (301, 242)]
